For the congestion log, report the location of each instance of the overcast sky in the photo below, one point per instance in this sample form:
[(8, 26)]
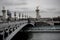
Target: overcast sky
[(48, 8)]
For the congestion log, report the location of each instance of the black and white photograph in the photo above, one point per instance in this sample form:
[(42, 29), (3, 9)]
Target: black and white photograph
[(29, 19)]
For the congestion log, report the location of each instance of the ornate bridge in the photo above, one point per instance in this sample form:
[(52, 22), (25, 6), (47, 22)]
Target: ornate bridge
[(8, 30), (50, 22)]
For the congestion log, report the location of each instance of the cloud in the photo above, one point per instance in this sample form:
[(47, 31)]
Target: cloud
[(57, 12), (43, 11), (13, 2), (29, 5), (51, 9)]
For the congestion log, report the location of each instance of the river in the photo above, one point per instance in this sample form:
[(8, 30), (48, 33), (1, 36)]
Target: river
[(45, 36), (38, 35)]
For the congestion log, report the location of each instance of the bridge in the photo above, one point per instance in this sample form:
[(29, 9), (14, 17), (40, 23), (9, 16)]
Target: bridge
[(10, 29), (50, 22)]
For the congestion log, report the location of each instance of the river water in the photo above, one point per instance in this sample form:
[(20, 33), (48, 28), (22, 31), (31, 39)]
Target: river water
[(45, 36), (38, 35)]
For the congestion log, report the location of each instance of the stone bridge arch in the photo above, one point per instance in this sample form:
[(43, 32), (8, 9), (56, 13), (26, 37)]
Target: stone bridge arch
[(26, 27), (23, 35)]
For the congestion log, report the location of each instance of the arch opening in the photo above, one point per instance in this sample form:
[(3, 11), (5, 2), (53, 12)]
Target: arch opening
[(22, 35)]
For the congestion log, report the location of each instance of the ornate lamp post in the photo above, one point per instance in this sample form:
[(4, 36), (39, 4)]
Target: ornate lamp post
[(22, 16), (25, 16), (19, 16), (9, 15), (15, 15)]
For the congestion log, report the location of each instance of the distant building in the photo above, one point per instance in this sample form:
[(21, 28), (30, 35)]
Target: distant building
[(56, 18)]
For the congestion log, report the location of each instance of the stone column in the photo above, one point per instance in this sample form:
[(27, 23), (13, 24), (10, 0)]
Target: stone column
[(4, 14), (37, 13)]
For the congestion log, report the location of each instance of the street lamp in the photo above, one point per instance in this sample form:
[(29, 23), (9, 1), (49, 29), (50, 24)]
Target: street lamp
[(22, 16), (15, 15), (9, 15), (19, 16)]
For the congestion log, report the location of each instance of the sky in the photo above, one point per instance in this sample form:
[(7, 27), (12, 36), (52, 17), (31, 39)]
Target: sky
[(48, 8)]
